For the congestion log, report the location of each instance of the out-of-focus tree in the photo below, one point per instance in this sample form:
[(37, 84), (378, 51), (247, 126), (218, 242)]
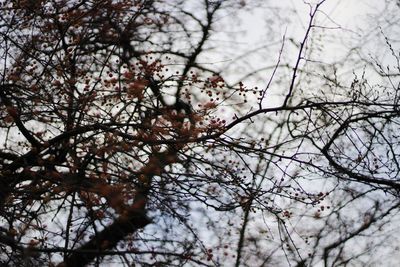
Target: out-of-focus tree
[(122, 142)]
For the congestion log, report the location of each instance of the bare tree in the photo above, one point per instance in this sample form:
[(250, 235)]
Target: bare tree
[(123, 143)]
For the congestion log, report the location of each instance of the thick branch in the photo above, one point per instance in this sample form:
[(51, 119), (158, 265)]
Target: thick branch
[(133, 219), (108, 238)]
